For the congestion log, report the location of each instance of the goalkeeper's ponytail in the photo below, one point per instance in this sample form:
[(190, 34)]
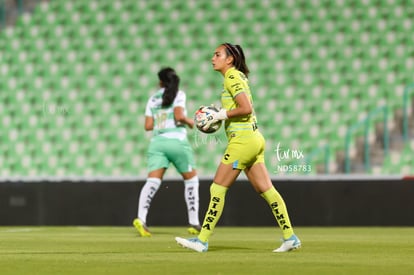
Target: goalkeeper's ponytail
[(170, 81)]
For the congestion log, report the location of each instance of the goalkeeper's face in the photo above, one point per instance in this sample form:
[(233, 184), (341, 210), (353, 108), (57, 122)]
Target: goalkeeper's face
[(221, 61)]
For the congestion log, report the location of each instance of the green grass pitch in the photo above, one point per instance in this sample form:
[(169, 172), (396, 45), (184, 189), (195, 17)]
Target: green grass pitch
[(233, 250)]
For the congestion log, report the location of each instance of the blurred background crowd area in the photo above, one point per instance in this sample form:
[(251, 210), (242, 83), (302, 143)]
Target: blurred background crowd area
[(332, 80)]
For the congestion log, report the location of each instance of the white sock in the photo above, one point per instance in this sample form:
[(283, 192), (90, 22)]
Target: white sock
[(192, 199), (147, 194)]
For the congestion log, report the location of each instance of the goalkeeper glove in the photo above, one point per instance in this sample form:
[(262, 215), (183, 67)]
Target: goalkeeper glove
[(213, 117)]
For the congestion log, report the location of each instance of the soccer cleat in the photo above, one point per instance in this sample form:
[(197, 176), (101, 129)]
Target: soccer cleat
[(289, 244), (194, 244), (194, 229), (141, 228)]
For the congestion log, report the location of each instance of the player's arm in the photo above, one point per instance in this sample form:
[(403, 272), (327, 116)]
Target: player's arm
[(244, 106), (149, 119), (149, 123), (236, 87), (181, 118)]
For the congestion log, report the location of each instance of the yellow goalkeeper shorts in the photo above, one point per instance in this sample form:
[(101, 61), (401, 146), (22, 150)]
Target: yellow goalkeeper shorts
[(244, 149)]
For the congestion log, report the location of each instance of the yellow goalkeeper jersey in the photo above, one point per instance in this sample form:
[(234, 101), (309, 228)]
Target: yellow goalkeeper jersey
[(235, 82)]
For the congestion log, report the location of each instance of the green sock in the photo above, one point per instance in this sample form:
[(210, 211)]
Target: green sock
[(279, 210), (215, 208)]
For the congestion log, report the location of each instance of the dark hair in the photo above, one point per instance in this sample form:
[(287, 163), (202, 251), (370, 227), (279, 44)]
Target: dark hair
[(170, 81), (238, 55)]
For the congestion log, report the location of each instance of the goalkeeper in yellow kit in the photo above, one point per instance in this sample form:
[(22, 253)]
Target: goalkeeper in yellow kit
[(244, 152)]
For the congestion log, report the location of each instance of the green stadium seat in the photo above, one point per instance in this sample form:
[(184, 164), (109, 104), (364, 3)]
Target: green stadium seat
[(317, 68)]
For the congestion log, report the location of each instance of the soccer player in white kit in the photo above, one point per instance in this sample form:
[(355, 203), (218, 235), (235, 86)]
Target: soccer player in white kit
[(166, 116)]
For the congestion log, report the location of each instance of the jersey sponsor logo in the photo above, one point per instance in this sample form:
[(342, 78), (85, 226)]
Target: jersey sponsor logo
[(237, 87), (226, 156), (254, 126)]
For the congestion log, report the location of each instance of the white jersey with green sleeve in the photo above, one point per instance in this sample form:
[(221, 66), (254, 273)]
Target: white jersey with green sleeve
[(164, 122)]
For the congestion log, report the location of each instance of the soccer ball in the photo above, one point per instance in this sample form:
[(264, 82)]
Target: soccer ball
[(202, 116)]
